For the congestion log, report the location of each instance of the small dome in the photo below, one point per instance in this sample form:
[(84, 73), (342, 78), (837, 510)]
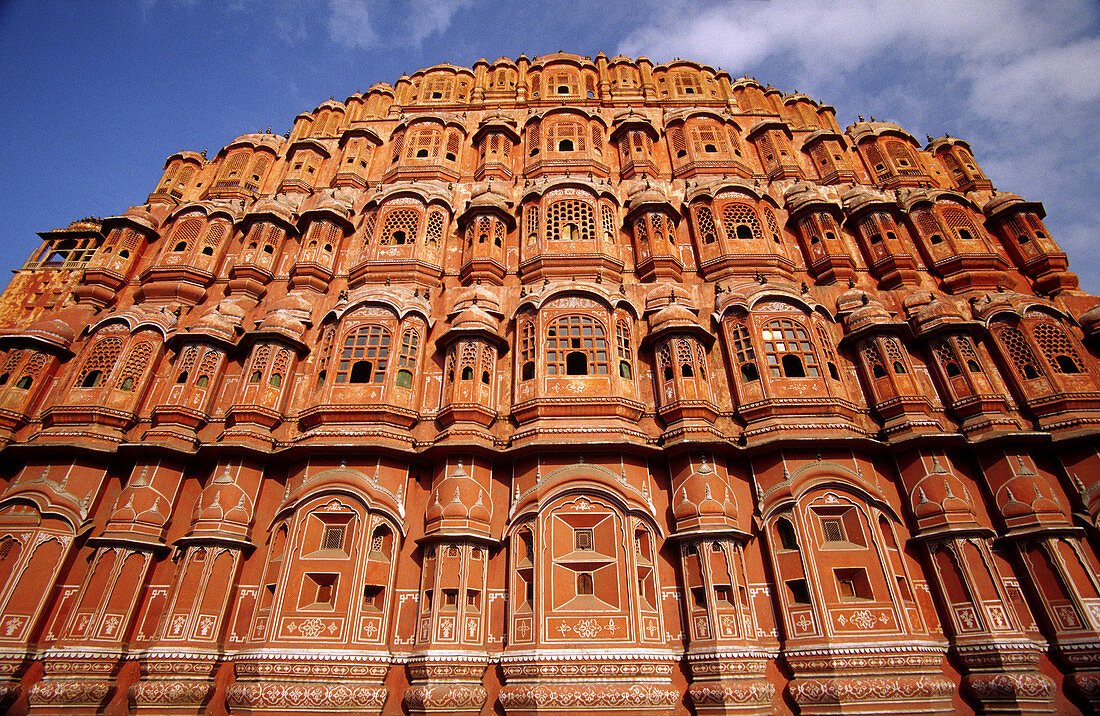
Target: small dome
[(459, 503)]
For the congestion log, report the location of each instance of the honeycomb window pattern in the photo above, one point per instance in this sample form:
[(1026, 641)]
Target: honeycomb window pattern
[(400, 227), (1015, 344), (704, 219), (1058, 349), (423, 144), (570, 220), (571, 339), (607, 218), (433, 232), (101, 360), (740, 222), (186, 234), (369, 344)]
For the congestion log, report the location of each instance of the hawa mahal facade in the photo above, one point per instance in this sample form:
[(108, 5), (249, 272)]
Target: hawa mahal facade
[(555, 385)]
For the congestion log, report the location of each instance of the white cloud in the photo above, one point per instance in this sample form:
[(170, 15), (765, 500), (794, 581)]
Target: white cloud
[(367, 24), (429, 17), (349, 24), (1020, 80)]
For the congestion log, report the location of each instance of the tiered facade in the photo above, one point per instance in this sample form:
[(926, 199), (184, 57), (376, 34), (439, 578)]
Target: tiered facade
[(561, 385)]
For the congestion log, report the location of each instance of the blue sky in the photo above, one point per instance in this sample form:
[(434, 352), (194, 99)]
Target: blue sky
[(97, 94)]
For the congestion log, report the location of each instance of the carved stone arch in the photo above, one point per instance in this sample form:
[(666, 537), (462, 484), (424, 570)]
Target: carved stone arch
[(580, 479), (824, 475), (351, 484), (53, 504), (609, 300)]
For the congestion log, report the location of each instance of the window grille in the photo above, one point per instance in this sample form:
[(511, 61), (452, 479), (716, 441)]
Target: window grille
[(434, 230), (872, 359), (1019, 353), (607, 217), (423, 144), (582, 540), (400, 227), (1058, 349), (527, 350), (788, 350), (704, 219), (833, 529), (576, 345), (368, 346), (676, 140), (597, 139), (740, 222), (570, 220), (186, 234), (101, 360), (959, 221), (333, 537)]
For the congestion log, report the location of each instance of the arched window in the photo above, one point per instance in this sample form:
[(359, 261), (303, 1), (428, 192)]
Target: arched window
[(743, 353), (740, 221), (873, 359), (400, 227), (946, 358), (406, 359), (186, 233), (622, 340), (1018, 352), (788, 351), (704, 221), (99, 362), (527, 350), (423, 143), (1058, 349), (566, 137), (138, 358), (364, 356), (576, 345), (788, 539), (570, 220)]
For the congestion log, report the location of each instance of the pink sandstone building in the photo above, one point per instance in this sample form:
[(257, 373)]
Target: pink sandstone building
[(558, 385)]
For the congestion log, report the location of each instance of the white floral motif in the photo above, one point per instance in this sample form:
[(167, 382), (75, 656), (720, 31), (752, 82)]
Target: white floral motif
[(309, 627), (587, 628)]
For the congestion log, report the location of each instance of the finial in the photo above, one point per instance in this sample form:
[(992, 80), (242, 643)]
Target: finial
[(860, 117), (929, 137)]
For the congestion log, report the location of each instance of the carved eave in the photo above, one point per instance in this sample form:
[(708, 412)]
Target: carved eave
[(865, 131), (443, 119), (488, 202), (481, 332), (134, 217), (766, 124), (599, 189), (280, 335), (429, 192), (1004, 206), (804, 198), (309, 143), (54, 342), (604, 293), (566, 109), (51, 500), (710, 188), (343, 480), (822, 135), (859, 201), (497, 123), (625, 121), (944, 143), (366, 132)]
